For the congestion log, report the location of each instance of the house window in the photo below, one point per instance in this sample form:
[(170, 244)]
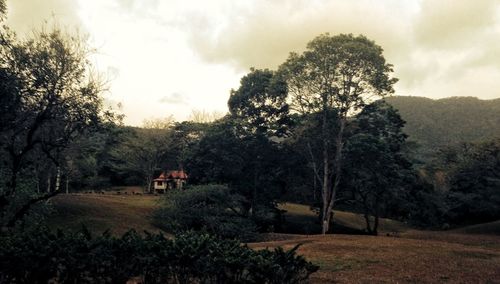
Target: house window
[(160, 183)]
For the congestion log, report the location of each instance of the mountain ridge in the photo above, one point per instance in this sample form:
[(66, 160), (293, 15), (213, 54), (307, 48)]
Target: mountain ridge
[(436, 123)]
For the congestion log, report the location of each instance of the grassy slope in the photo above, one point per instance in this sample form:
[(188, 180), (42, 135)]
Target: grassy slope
[(300, 219), (407, 256), (100, 212), (492, 228)]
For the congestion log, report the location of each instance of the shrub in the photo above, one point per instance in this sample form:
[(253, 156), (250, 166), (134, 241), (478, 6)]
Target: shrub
[(207, 208), (40, 256)]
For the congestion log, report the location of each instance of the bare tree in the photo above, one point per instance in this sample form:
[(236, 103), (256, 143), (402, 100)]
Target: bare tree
[(203, 116)]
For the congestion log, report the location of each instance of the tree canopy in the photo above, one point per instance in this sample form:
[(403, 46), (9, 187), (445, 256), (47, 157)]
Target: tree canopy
[(336, 74), (52, 94)]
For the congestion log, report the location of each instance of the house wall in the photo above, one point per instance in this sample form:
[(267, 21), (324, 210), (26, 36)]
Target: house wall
[(162, 186)]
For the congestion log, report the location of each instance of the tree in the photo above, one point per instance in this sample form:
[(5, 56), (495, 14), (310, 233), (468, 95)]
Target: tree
[(52, 97), (3, 9), (473, 178), (203, 116), (186, 137), (144, 151), (339, 75), (248, 166), (376, 170), (260, 104), (259, 112), (210, 208)]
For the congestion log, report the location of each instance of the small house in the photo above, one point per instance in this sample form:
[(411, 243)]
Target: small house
[(170, 180)]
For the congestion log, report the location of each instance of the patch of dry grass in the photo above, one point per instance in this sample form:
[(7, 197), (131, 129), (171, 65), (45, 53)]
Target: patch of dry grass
[(368, 259), (100, 212)]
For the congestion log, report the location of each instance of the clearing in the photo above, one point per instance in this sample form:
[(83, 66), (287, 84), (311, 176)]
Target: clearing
[(399, 255)]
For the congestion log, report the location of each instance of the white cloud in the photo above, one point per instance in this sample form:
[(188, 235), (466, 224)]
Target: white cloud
[(201, 49), (174, 98)]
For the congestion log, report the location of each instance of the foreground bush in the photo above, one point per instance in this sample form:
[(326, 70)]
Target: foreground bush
[(41, 256)]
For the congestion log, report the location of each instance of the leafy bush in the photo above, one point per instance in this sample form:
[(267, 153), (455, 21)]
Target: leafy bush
[(40, 256), (208, 208)]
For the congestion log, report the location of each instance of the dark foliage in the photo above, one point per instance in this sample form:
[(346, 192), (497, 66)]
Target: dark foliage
[(473, 176), (40, 256), (376, 169), (249, 164), (213, 209)]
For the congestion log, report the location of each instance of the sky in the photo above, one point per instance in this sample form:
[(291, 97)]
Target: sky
[(169, 57)]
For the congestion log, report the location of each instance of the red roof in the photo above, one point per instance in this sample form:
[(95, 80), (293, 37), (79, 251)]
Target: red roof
[(177, 175), (172, 175)]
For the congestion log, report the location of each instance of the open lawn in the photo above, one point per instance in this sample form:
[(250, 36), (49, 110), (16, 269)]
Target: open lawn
[(466, 255), (382, 259), (100, 212)]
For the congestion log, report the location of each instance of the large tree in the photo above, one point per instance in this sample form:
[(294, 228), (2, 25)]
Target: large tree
[(376, 168), (335, 76), (259, 111), (52, 96)]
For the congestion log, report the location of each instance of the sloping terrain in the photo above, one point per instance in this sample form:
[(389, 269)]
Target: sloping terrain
[(399, 255), (100, 212), (436, 123)]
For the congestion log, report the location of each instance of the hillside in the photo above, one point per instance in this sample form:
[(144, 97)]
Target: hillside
[(100, 212), (435, 123), (402, 255)]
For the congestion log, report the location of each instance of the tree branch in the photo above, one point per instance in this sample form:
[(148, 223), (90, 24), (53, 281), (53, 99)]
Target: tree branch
[(26, 207)]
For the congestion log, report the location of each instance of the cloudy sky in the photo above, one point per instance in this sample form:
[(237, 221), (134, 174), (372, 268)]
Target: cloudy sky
[(167, 57)]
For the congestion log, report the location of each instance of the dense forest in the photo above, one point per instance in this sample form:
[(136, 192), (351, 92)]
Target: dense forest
[(433, 124)]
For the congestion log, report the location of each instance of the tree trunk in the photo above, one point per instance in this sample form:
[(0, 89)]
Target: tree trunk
[(67, 185), (58, 178), (314, 187), (254, 193), (37, 176), (368, 223), (376, 222), (49, 183), (147, 188), (325, 194), (330, 200)]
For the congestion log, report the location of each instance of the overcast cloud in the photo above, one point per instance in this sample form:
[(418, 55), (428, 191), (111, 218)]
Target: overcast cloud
[(201, 49)]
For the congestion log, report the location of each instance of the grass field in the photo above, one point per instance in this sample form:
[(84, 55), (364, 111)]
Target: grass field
[(466, 255), (100, 212)]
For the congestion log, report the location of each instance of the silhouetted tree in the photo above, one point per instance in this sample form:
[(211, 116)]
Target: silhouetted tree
[(376, 169), (52, 96), (336, 74)]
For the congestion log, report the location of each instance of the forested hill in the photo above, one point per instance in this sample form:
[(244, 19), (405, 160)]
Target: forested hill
[(435, 123)]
